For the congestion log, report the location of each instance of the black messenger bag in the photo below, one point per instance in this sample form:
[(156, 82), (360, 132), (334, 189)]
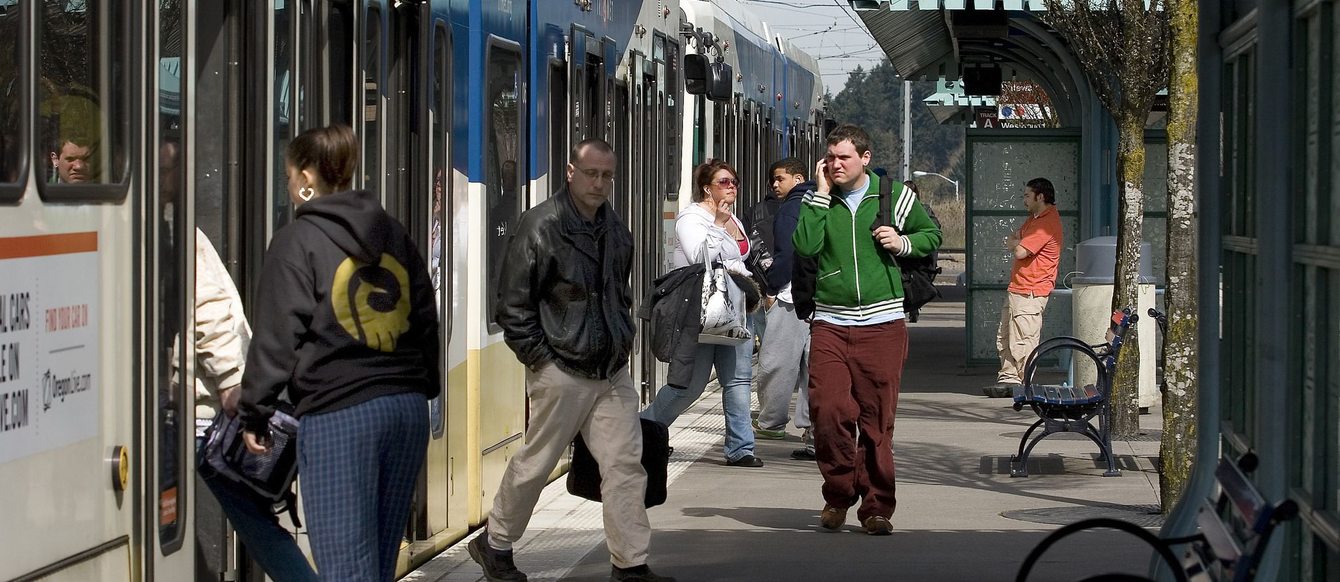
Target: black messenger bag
[(584, 474)]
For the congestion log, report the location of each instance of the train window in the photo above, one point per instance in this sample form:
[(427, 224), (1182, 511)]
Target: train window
[(339, 101), (13, 122), (558, 123), (579, 104), (215, 155), (175, 391), (440, 219), (283, 108), (623, 189), (594, 97), (84, 100), (673, 127), (502, 157), (699, 125), (719, 121), (610, 59), (372, 100)]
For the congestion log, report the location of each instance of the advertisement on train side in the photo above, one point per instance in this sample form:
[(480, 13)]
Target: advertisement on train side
[(48, 342)]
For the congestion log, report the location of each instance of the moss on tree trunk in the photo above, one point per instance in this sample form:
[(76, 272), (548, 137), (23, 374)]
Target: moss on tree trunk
[(1181, 349)]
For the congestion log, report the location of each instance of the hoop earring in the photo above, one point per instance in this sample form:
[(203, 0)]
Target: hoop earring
[(306, 193)]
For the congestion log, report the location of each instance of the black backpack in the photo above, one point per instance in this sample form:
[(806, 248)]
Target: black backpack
[(918, 272), (761, 242)]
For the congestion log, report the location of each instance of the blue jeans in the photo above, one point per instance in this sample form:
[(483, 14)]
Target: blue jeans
[(734, 367), (256, 525)]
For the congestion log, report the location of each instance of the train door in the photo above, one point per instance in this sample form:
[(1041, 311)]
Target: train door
[(265, 72), (642, 137)]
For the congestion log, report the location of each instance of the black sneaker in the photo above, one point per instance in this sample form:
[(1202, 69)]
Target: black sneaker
[(637, 574), (745, 461), (805, 454), (497, 564)]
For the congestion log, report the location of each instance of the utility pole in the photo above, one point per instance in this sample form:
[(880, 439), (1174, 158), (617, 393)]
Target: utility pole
[(907, 130)]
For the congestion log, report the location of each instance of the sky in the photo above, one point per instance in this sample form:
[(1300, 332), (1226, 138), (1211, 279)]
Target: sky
[(828, 30)]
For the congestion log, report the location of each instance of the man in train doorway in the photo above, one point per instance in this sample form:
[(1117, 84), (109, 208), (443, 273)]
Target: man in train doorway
[(570, 260), (1036, 248), (858, 339)]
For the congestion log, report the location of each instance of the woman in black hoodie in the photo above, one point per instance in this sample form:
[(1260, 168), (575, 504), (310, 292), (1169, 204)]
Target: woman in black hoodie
[(345, 322)]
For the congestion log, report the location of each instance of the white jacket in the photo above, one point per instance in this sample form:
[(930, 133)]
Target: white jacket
[(221, 331), (696, 232)]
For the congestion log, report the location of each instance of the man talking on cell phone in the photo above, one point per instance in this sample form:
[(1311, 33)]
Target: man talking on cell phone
[(858, 339)]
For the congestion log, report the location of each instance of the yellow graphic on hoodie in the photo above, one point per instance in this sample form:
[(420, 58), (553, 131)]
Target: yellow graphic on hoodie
[(371, 302)]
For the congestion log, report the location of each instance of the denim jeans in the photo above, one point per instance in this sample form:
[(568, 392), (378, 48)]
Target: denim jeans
[(734, 368), (272, 546)]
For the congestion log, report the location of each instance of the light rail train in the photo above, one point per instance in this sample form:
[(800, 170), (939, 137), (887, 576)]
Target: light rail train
[(125, 126)]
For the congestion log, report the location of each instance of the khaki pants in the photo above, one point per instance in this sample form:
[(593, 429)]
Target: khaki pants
[(1018, 335), (605, 413)]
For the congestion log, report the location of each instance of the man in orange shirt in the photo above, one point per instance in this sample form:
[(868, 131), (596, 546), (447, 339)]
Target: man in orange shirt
[(1037, 253)]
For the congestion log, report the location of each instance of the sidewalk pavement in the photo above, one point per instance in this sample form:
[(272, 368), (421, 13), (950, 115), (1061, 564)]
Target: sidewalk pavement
[(960, 515)]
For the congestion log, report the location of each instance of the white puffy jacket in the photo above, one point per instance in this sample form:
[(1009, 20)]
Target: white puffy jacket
[(221, 331), (696, 232)]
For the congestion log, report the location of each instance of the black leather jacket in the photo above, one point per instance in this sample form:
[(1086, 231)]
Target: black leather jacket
[(563, 293)]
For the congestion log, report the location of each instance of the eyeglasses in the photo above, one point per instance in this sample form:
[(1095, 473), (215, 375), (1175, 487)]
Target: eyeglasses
[(726, 182), (595, 174)]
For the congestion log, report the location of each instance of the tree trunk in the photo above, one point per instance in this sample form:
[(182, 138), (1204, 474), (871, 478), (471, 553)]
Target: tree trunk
[(1180, 348), (1130, 216)]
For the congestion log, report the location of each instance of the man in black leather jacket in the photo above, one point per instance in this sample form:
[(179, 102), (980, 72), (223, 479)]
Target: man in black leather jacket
[(565, 308)]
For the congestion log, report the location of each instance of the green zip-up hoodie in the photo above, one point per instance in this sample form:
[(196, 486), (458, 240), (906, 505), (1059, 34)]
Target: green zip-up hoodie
[(857, 278)]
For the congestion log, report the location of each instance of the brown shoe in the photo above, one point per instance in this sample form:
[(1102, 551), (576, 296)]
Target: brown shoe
[(833, 517), (878, 525)]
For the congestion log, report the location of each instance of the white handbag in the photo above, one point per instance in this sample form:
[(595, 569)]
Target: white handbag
[(723, 316)]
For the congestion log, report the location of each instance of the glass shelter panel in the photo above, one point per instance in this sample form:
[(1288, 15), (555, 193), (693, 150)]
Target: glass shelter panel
[(1000, 166), (1000, 170)]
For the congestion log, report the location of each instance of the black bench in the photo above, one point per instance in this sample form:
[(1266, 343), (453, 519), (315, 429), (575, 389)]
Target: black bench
[(1235, 527), (1072, 408)]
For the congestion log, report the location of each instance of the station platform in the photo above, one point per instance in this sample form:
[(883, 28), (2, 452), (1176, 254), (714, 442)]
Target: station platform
[(960, 515)]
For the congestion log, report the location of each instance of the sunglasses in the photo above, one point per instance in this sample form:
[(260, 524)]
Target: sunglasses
[(726, 182)]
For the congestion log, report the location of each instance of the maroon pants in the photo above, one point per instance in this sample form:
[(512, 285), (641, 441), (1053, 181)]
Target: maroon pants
[(855, 372)]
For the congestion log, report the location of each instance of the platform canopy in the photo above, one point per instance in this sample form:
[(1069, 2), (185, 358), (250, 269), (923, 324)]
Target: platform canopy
[(982, 42)]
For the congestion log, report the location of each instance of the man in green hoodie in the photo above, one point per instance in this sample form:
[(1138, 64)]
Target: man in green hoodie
[(858, 339)]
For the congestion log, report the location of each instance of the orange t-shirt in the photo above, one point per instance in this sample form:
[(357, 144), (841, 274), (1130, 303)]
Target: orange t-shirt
[(1041, 236)]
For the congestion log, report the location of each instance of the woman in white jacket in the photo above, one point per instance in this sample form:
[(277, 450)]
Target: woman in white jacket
[(708, 230)]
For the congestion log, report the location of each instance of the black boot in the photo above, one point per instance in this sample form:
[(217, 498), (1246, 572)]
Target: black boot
[(497, 564), (637, 574)]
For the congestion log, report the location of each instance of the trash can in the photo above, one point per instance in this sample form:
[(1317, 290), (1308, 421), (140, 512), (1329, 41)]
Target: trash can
[(1092, 288)]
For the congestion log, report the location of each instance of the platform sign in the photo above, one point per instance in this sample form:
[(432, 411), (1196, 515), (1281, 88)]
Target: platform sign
[(49, 383)]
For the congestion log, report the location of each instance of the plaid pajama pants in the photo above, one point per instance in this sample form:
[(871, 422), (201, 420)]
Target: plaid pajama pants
[(357, 468)]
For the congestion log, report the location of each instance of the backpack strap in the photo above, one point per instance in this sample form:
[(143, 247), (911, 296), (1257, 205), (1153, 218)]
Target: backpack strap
[(291, 506), (885, 200)]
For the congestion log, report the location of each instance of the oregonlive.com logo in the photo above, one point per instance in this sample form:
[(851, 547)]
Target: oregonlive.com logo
[(55, 389)]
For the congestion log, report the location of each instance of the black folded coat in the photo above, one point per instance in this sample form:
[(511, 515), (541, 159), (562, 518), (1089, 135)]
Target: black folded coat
[(673, 305)]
